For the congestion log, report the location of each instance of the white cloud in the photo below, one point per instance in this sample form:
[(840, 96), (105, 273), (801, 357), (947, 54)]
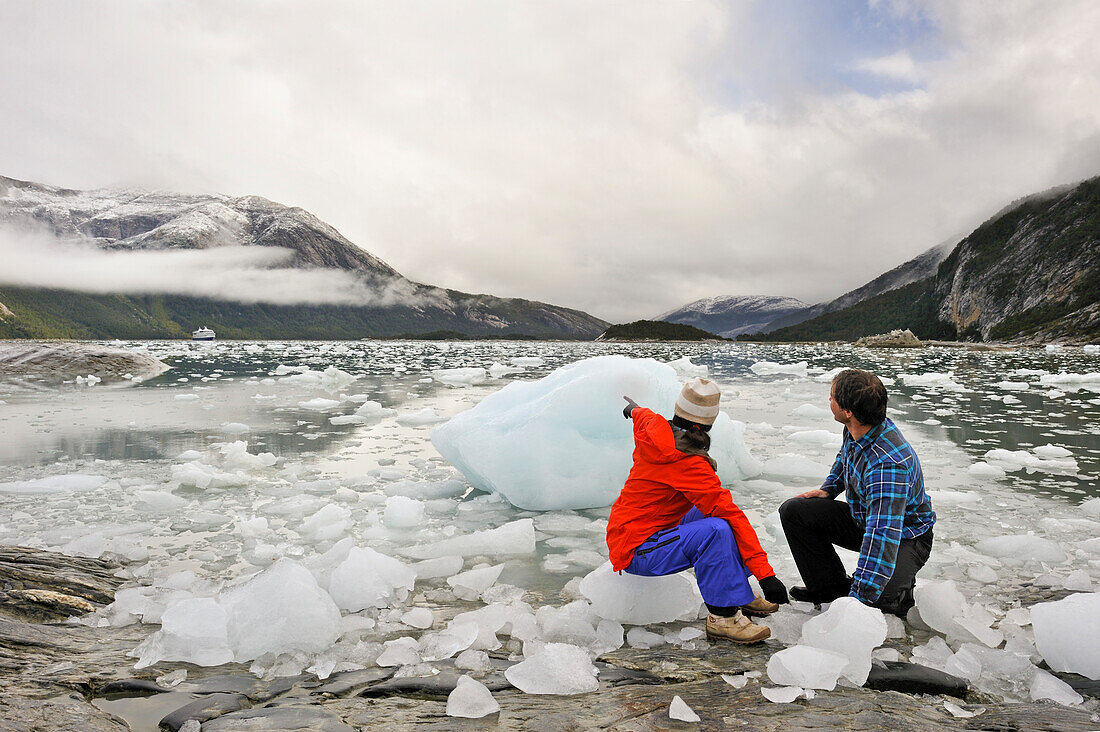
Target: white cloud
[(585, 154), (899, 66), (233, 273)]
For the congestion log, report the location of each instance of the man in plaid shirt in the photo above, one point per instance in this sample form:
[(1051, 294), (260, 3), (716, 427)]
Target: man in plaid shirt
[(887, 517)]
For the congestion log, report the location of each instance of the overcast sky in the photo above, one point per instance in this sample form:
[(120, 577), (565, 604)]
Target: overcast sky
[(618, 157)]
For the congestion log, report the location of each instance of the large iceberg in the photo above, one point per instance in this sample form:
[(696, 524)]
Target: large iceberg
[(561, 442)]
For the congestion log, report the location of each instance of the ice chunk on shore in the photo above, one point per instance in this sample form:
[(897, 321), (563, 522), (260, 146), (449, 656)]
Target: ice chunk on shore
[(561, 442), (627, 598), (367, 578), (403, 513), (781, 694), (806, 667), (470, 584), (75, 483), (1067, 633), (471, 699), (679, 710), (192, 630), (1045, 685), (515, 537), (942, 607), (850, 628), (558, 668)]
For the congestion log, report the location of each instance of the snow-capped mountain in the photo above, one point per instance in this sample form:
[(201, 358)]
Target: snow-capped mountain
[(732, 315)]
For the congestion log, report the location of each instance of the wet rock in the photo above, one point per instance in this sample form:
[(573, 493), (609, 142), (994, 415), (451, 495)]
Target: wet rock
[(1039, 717), (61, 360), (63, 713), (130, 687), (257, 690), (347, 682), (912, 678), (203, 709), (277, 719)]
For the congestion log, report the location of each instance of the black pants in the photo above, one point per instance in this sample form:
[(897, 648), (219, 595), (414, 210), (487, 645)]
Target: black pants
[(814, 525)]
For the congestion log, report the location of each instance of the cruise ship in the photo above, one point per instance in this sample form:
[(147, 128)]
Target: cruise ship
[(203, 334)]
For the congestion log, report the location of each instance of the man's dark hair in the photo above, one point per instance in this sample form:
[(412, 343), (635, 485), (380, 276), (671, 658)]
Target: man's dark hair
[(862, 394)]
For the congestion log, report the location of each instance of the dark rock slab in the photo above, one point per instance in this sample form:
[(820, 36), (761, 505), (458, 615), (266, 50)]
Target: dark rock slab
[(276, 719), (1041, 717), (42, 586), (912, 678), (130, 687), (203, 709), (257, 690), (347, 682)]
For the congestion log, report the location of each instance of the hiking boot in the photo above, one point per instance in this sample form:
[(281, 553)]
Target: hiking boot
[(736, 629), (801, 594), (759, 608)]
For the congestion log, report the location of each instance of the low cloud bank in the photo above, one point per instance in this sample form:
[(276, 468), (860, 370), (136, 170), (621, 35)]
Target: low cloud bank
[(235, 273)]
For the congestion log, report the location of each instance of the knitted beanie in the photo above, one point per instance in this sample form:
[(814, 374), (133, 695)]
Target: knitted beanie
[(698, 401)]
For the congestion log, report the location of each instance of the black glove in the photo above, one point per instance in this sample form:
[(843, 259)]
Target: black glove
[(773, 590), (631, 405)]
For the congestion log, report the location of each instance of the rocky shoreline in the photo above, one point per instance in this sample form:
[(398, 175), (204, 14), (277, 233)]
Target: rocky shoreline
[(65, 676)]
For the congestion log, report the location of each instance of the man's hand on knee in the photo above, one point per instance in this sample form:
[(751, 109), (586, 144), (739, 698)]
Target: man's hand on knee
[(815, 493)]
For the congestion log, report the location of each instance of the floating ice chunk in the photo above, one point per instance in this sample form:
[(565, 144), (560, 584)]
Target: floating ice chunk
[(679, 710), (985, 470), (403, 513), (234, 428), (812, 411), (1049, 452), (789, 465), (438, 567), (781, 694), (74, 483), (850, 628), (367, 578), (1091, 348), (685, 369), (426, 416), (1067, 633), (1022, 546), (1012, 385), (418, 617), (561, 442), (189, 455), (808, 667), (516, 537), (471, 700), (1078, 581), (821, 438), (633, 600), (1072, 382), (932, 380), (373, 410), (528, 361), (1091, 508), (328, 523), (771, 368), (947, 497), (460, 376), (320, 404), (1017, 459), (186, 397), (498, 369), (558, 668), (158, 501), (470, 584), (1045, 685)]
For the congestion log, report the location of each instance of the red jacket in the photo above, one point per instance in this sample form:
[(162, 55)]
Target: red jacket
[(662, 486)]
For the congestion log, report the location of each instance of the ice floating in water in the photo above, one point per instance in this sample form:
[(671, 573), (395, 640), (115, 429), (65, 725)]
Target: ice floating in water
[(850, 628), (460, 376), (471, 699), (985, 470), (331, 379), (74, 483), (426, 416), (812, 411), (821, 438), (685, 369), (679, 710), (1022, 459), (770, 368), (403, 513), (470, 584), (558, 668), (367, 578), (562, 442), (516, 537), (1067, 633), (1072, 382), (932, 380), (234, 428), (319, 404), (789, 465), (1022, 546), (626, 598), (807, 667), (1091, 508)]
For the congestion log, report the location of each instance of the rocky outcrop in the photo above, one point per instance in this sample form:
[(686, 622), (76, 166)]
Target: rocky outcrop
[(893, 339), (59, 361)]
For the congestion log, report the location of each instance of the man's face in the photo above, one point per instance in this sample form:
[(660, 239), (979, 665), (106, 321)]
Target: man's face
[(840, 415)]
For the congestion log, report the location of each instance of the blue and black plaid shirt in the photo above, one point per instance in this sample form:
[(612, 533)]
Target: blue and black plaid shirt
[(884, 485)]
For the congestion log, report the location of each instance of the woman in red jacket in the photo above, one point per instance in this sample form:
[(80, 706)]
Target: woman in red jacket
[(673, 513)]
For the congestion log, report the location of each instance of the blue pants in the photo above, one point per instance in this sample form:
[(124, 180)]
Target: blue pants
[(706, 544)]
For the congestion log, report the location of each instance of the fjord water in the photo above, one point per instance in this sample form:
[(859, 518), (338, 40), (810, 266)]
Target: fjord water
[(1009, 442)]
